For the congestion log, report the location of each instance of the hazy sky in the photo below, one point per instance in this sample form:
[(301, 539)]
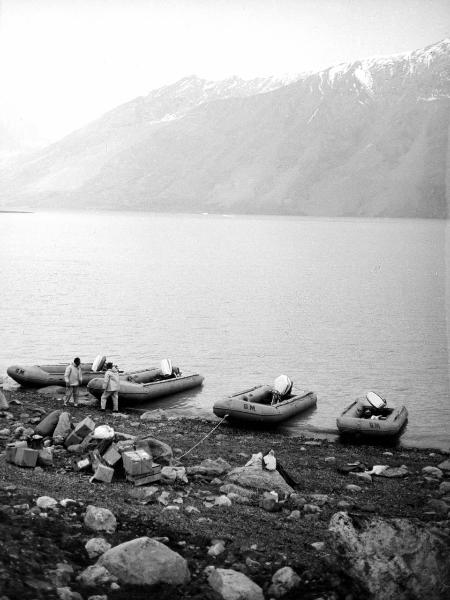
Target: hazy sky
[(65, 62)]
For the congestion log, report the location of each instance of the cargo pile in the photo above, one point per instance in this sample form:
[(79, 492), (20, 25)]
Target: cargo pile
[(99, 450)]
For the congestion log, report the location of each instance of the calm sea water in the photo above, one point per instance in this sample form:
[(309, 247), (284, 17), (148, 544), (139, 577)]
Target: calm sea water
[(342, 306)]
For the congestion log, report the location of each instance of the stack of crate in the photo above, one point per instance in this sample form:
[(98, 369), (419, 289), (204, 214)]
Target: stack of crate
[(140, 468)]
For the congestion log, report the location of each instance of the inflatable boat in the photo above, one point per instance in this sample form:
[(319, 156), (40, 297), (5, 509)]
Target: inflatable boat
[(257, 405), (38, 376), (132, 391), (372, 417)]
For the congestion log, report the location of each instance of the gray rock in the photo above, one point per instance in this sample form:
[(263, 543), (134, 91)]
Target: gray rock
[(351, 487), (100, 519), (283, 581), (3, 401), (144, 561), (364, 477), (46, 502), (96, 575), (216, 548), (96, 547), (444, 488), (233, 585), (394, 472), (439, 507), (231, 488), (211, 467), (65, 593), (433, 472), (269, 502), (62, 575), (445, 466), (391, 559), (254, 477)]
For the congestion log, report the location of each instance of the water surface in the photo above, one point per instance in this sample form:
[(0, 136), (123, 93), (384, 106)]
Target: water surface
[(342, 306)]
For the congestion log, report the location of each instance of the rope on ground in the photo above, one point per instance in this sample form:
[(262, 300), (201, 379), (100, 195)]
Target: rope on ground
[(203, 438)]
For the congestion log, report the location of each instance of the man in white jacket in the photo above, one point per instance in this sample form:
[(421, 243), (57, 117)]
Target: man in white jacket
[(73, 379), (111, 385)]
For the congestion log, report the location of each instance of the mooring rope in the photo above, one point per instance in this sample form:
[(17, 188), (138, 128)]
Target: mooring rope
[(203, 438)]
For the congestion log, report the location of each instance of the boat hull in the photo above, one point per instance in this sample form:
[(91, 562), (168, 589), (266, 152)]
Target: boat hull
[(350, 424), (247, 406), (139, 393), (37, 376)]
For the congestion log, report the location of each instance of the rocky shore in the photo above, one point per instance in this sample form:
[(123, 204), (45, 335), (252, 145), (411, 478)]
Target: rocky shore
[(334, 521)]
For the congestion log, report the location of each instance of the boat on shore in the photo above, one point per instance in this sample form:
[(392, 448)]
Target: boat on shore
[(37, 376), (132, 391), (372, 417), (256, 405)]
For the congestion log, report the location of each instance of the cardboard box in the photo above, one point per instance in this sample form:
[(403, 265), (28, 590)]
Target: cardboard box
[(103, 473), (26, 457), (153, 476), (137, 462), (84, 463), (84, 427), (72, 439), (11, 450), (111, 456)]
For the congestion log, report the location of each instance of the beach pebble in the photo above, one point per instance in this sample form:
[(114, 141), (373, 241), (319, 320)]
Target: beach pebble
[(46, 502), (65, 593), (311, 508), (351, 487), (96, 575), (191, 509), (444, 488), (433, 472), (364, 477), (100, 519), (234, 585), (319, 499), (445, 466), (96, 546), (216, 548), (344, 505), (438, 506), (283, 581), (318, 546), (295, 515)]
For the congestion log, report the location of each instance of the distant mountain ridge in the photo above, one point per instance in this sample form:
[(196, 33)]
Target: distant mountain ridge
[(368, 138)]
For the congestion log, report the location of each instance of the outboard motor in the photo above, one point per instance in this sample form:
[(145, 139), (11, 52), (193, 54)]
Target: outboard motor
[(375, 400), (282, 386), (166, 367), (98, 363)]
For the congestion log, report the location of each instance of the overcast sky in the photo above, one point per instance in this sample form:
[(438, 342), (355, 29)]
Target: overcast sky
[(66, 62)]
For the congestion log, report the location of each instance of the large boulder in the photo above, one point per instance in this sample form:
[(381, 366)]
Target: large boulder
[(391, 559), (145, 561), (254, 477)]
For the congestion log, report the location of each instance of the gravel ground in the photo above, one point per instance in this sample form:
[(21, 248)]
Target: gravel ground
[(256, 542)]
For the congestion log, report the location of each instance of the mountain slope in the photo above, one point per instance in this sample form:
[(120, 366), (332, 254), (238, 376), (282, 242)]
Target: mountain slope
[(368, 138)]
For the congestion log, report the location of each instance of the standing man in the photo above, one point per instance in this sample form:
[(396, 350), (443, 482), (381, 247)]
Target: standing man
[(111, 385), (73, 378)]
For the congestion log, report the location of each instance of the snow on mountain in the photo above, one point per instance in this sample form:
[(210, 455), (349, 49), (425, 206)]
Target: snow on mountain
[(363, 138)]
